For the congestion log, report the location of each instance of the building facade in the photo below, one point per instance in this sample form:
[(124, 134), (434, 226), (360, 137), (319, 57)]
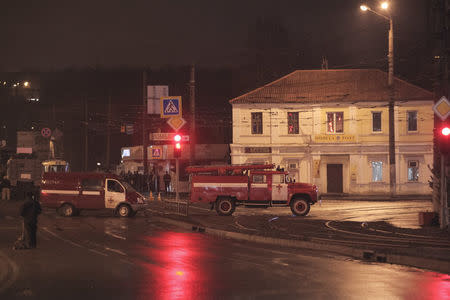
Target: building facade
[(331, 128)]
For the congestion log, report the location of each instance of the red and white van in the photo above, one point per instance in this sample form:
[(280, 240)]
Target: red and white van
[(71, 192)]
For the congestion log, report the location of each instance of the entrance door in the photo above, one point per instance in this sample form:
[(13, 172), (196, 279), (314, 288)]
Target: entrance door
[(334, 178), (114, 193)]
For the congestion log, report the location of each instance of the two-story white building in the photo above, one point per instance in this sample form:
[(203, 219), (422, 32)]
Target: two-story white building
[(330, 128)]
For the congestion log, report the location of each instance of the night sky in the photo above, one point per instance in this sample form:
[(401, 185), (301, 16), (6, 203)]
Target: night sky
[(82, 50), (52, 34)]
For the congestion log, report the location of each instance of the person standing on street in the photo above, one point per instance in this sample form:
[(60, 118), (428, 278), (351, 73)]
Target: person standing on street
[(6, 189), (29, 212), (167, 180)]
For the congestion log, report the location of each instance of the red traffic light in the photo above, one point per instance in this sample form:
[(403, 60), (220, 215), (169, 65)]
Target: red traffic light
[(445, 131), (177, 145)]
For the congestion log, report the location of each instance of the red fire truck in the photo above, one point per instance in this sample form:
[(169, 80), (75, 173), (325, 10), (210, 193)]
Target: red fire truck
[(225, 187)]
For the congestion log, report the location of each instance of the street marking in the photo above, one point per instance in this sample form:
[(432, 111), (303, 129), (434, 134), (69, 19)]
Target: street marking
[(115, 235), (98, 252), (116, 251), (243, 227), (63, 239), (73, 243)]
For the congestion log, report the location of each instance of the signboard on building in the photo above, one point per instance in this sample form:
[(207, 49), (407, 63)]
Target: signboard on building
[(334, 138), (258, 150), (26, 150), (154, 95), (171, 107)]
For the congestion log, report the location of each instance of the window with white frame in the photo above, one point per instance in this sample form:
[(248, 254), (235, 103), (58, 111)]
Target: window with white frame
[(412, 120), (377, 171), (257, 123), (293, 122), (413, 170), (335, 122), (376, 121)]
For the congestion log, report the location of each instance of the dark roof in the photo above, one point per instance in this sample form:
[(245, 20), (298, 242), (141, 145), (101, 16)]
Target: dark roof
[(340, 85)]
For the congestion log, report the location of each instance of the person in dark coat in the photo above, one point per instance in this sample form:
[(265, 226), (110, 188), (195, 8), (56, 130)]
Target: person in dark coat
[(29, 211), (167, 180), (5, 188)]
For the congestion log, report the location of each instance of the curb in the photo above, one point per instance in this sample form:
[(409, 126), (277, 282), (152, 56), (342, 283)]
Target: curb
[(8, 272), (365, 255)]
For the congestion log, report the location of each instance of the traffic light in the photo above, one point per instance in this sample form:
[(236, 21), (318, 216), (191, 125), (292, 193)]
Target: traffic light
[(177, 145), (444, 138)]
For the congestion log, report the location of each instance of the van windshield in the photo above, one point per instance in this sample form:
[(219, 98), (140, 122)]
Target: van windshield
[(128, 186)]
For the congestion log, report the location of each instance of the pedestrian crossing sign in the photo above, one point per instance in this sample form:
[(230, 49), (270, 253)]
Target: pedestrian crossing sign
[(156, 152), (171, 107)]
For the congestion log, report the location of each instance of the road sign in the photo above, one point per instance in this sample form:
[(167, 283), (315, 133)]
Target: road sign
[(171, 107), (46, 132), (176, 122), (154, 94), (161, 136), (157, 152), (442, 108)]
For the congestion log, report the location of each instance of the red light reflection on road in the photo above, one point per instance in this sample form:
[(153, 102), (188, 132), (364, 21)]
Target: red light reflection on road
[(179, 266), (437, 286)]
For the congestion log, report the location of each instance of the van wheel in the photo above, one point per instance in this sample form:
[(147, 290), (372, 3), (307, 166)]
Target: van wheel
[(225, 206), (300, 207), (67, 210), (124, 211)]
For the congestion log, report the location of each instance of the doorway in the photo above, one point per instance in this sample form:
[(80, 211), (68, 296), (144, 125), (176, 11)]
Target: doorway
[(334, 178)]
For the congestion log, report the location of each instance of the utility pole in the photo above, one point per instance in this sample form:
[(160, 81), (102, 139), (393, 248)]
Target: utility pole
[(144, 119), (192, 137), (445, 54), (85, 135), (391, 101), (108, 133), (392, 168)]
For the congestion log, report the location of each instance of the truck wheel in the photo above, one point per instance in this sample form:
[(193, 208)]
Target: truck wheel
[(300, 207), (225, 206), (124, 210), (67, 210)]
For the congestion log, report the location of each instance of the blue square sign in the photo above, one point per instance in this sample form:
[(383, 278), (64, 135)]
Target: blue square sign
[(171, 107)]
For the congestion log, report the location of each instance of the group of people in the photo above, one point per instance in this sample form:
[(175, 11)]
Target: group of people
[(147, 183)]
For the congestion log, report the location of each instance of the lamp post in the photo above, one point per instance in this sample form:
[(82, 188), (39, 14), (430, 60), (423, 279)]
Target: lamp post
[(392, 169)]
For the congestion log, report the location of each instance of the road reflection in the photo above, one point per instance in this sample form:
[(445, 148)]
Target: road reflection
[(436, 285), (179, 268)]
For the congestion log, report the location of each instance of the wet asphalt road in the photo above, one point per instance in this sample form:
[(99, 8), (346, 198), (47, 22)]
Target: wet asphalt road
[(96, 256)]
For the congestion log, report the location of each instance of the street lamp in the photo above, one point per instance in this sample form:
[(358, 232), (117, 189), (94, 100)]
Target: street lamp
[(385, 6)]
